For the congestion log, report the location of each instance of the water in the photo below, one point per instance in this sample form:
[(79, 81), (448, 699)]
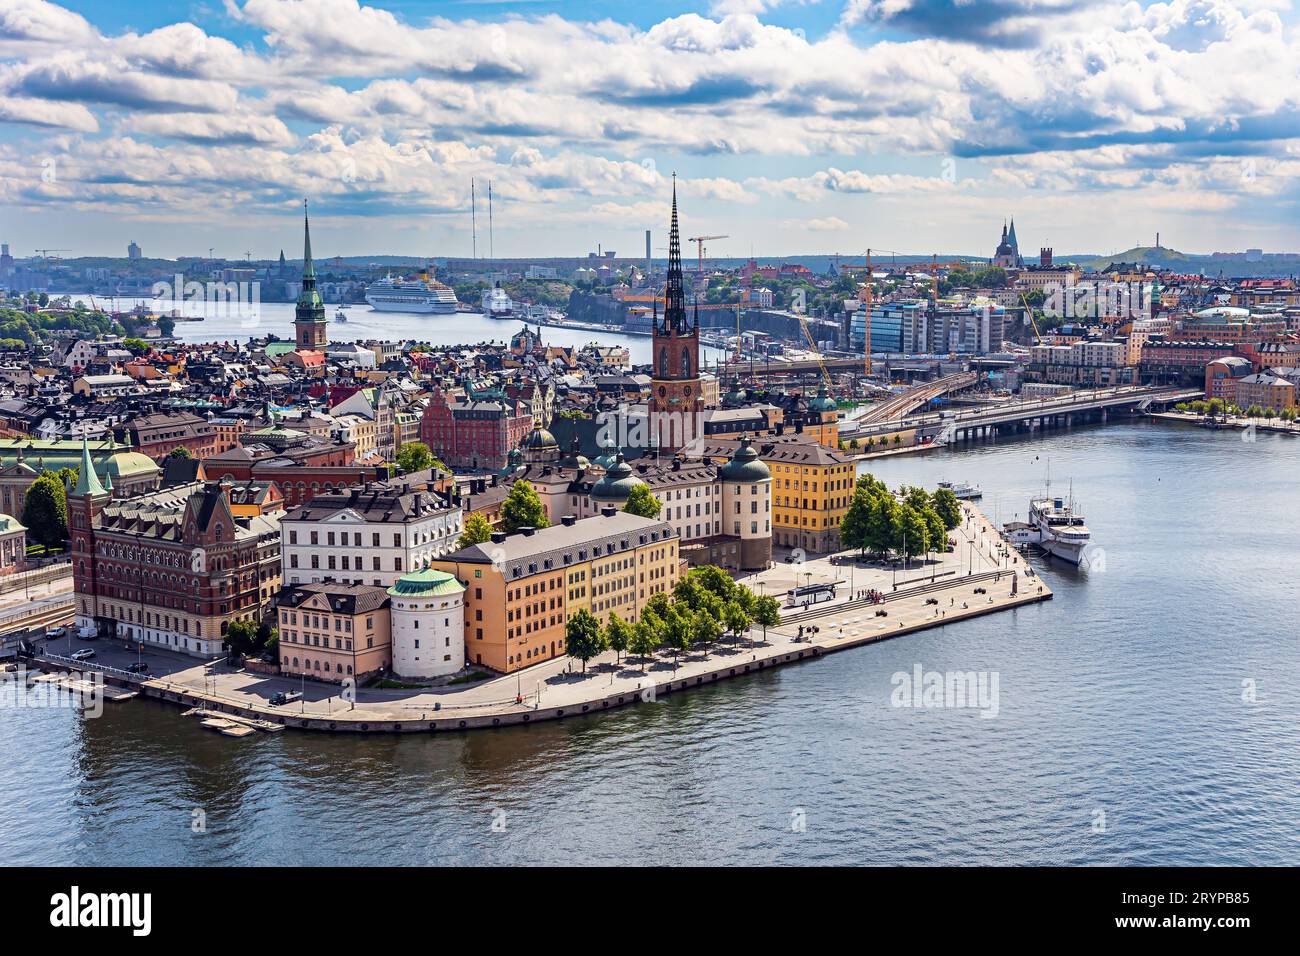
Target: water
[(233, 323), (1123, 695)]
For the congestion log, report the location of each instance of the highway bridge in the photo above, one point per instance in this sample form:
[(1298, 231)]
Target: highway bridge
[(903, 404), (1024, 415)]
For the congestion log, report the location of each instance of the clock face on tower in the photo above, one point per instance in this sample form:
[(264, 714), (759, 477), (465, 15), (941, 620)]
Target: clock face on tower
[(662, 391)]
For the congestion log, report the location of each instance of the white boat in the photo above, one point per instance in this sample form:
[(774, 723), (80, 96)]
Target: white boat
[(1054, 527), (422, 295), (497, 304), (341, 315), (963, 491)]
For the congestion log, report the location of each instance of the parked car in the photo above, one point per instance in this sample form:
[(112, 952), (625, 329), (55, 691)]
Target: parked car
[(139, 667), (85, 654), (285, 697), (56, 632), (931, 600)]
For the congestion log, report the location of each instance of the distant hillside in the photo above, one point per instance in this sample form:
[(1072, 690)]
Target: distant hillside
[(1147, 255)]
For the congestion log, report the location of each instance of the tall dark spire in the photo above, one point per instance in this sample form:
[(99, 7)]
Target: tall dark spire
[(308, 267), (675, 296)]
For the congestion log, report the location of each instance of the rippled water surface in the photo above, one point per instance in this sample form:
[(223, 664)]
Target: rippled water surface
[(1122, 697)]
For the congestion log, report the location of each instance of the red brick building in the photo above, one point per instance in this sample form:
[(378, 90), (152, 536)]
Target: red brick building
[(473, 434), (173, 567), (157, 435)]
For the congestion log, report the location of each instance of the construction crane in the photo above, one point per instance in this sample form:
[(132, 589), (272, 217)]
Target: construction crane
[(866, 325), (45, 253), (815, 351), (1038, 336), (699, 250)]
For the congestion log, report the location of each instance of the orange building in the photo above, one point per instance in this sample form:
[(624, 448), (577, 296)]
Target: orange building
[(521, 589)]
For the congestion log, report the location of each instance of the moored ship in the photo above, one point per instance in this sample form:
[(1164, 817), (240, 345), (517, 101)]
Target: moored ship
[(1054, 527), (497, 303)]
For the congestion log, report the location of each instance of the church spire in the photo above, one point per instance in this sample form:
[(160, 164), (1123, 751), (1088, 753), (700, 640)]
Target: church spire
[(308, 268), (675, 295), (87, 480)]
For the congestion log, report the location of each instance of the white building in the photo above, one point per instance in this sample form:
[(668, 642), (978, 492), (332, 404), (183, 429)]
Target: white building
[(367, 535), (427, 612)]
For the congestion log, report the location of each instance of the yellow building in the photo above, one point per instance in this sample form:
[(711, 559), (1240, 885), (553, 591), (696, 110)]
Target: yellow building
[(823, 419), (811, 488), (521, 589)]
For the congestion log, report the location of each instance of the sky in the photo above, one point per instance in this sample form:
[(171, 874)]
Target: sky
[(793, 126)]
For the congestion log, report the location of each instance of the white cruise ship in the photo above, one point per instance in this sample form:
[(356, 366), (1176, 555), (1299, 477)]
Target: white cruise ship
[(497, 304), (422, 295)]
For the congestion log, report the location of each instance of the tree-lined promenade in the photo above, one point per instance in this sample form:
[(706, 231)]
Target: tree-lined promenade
[(706, 604)]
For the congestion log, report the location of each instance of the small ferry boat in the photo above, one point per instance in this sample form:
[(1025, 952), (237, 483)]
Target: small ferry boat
[(963, 491), (1053, 526), (340, 315)]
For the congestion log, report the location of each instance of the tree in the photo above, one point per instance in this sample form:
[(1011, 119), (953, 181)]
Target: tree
[(688, 592), (712, 578), (523, 509), (243, 637), (705, 629), (767, 612), (477, 531), (948, 507), (414, 456), (645, 638), (45, 511), (736, 619), (180, 451), (618, 635), (582, 637), (641, 501), (911, 535), (853, 529), (677, 633)]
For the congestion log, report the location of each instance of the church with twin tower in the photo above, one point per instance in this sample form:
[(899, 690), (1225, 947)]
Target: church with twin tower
[(676, 396)]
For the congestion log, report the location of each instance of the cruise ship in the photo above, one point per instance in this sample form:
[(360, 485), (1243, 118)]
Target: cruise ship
[(497, 304), (1054, 527), (422, 295)]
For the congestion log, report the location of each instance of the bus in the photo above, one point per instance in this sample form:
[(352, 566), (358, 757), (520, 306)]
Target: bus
[(810, 594)]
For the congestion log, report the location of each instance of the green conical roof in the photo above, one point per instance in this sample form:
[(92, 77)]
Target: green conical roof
[(87, 480), (430, 581)]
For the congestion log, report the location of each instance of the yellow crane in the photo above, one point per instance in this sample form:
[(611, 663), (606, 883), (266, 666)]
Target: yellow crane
[(1038, 336)]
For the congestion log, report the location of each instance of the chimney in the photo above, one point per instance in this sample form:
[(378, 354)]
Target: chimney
[(527, 530), (677, 464), (569, 520), (498, 537), (494, 481), (608, 511)]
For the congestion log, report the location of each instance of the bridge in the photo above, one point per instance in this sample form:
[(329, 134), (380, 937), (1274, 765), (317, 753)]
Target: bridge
[(1025, 415), (916, 397)]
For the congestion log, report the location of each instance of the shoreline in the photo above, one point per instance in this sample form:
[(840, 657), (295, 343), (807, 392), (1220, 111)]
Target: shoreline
[(662, 679)]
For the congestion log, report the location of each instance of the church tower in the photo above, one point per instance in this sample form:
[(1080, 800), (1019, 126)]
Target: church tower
[(309, 314), (85, 502), (676, 402)]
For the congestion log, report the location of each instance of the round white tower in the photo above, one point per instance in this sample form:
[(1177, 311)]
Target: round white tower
[(427, 610)]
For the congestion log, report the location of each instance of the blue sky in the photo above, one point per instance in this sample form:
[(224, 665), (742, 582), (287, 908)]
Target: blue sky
[(794, 126)]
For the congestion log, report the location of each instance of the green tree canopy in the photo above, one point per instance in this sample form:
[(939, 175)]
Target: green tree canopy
[(45, 511), (414, 456), (523, 509), (767, 613), (618, 635), (477, 531), (948, 507), (180, 451), (582, 637), (641, 501)]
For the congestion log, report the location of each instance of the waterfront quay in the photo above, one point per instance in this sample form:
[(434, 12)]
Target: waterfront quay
[(916, 597)]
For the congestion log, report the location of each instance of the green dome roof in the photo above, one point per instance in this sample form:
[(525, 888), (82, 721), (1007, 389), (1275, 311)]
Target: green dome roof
[(607, 460), (427, 582), (823, 402), (617, 483), (745, 465), (574, 458)]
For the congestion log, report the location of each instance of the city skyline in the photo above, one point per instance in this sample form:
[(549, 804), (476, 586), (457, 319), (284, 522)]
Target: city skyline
[(794, 128)]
